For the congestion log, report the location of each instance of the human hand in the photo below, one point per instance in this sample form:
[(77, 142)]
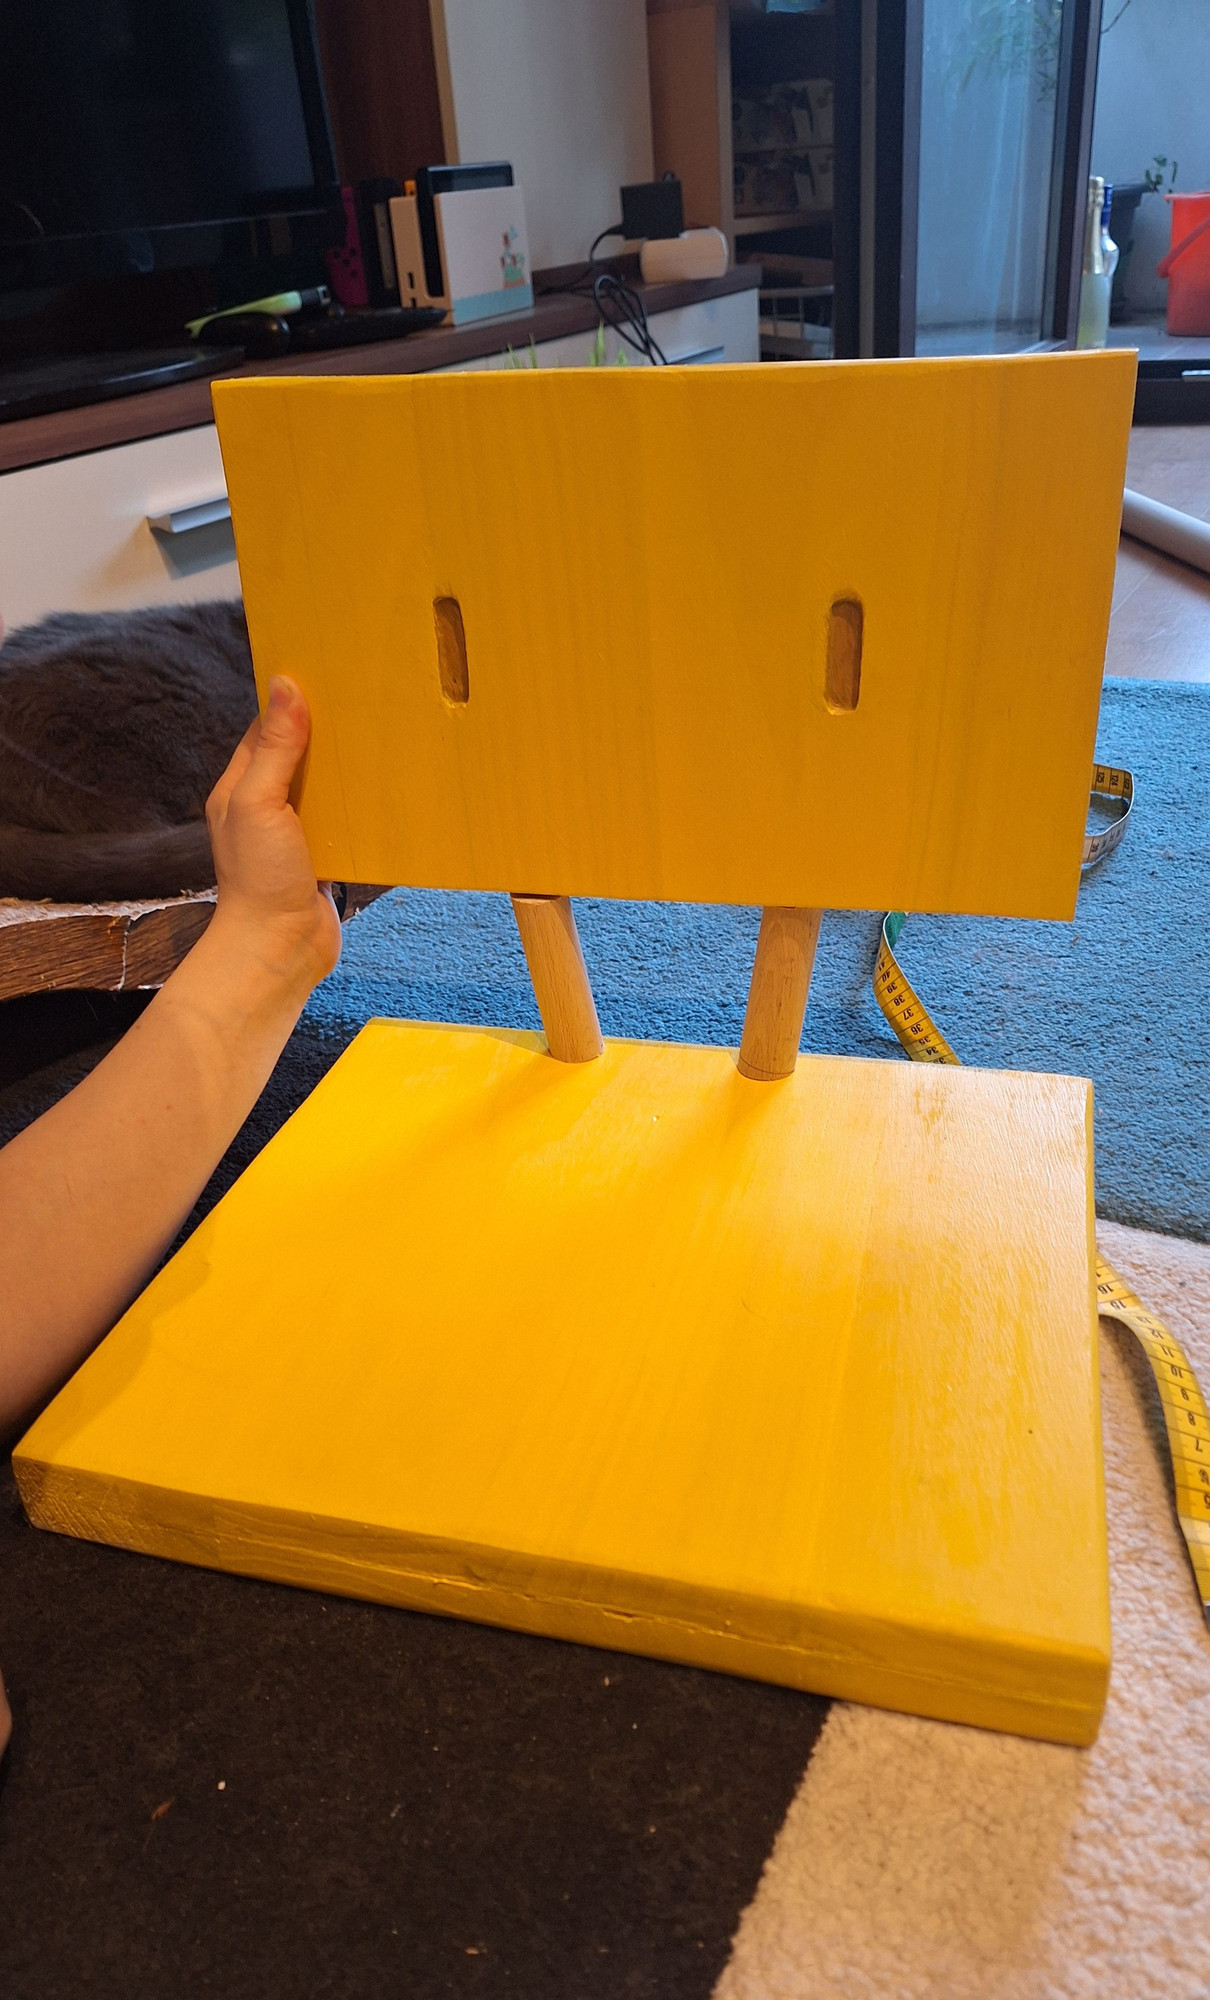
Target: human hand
[(267, 890)]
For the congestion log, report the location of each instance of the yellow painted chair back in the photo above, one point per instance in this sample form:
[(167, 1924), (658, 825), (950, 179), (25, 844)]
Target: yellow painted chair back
[(811, 636)]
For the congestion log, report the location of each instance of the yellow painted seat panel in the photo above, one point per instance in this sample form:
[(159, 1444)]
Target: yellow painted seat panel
[(795, 1380)]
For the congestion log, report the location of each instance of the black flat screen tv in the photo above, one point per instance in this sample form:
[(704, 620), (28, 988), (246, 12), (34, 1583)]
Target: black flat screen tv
[(139, 135)]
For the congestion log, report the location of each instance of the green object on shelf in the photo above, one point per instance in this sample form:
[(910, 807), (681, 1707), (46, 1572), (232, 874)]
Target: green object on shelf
[(282, 303)]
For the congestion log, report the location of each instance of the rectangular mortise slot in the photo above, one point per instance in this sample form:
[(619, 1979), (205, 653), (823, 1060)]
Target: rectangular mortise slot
[(451, 649), (842, 683)]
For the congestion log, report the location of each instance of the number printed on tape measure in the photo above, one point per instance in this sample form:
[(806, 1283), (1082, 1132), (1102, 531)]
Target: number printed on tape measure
[(1184, 1399), (1109, 782)]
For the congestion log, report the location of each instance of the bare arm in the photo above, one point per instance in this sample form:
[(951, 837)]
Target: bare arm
[(93, 1192)]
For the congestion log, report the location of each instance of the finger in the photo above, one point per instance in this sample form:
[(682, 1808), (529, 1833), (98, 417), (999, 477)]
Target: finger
[(241, 757), (278, 747)]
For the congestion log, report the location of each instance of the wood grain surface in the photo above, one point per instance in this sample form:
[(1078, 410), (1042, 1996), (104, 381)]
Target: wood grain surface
[(644, 720), (551, 943), (111, 947), (98, 947), (777, 996), (797, 1381)]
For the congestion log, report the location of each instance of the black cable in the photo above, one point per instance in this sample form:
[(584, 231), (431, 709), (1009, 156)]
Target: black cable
[(618, 303), (614, 230), (579, 284)]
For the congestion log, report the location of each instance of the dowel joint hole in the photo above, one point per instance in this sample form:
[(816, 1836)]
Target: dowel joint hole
[(452, 669), (842, 679)]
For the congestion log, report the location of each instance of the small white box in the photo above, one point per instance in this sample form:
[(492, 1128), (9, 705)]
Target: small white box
[(484, 253)]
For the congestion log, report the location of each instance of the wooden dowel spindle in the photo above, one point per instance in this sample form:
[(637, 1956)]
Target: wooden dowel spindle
[(556, 965), (777, 997)]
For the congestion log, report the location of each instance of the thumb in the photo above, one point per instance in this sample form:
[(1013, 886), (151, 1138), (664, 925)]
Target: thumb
[(278, 748)]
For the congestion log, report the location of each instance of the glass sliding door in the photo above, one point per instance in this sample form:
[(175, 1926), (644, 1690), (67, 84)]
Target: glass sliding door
[(988, 135), (978, 166)]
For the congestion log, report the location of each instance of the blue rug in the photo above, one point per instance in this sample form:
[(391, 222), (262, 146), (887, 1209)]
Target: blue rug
[(1117, 996)]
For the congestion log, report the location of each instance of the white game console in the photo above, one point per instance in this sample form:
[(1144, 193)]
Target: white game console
[(476, 260)]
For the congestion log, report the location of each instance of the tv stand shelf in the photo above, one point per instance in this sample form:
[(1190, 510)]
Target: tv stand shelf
[(119, 504), (30, 441)]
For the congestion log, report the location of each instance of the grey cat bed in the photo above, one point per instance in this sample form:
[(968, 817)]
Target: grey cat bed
[(114, 727)]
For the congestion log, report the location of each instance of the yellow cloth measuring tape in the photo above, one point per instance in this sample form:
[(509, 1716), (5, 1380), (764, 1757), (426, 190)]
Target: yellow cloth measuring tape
[(1185, 1414)]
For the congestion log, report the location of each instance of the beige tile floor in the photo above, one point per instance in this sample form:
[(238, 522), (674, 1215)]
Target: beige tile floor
[(1160, 628), (1150, 335)]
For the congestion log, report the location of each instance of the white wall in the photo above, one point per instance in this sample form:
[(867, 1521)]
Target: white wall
[(1153, 96), (560, 88)]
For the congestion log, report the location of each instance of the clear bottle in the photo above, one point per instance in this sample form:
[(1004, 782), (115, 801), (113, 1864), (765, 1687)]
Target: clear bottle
[(1100, 263)]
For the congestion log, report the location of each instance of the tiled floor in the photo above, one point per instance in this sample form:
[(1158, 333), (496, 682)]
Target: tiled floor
[(1160, 628), (1148, 334)]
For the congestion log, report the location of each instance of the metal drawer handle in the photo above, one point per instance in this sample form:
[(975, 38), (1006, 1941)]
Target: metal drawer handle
[(184, 520)]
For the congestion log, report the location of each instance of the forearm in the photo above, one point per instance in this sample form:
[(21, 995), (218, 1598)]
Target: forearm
[(93, 1193)]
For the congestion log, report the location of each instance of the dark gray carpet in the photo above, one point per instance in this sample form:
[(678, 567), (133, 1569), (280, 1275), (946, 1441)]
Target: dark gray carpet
[(411, 1807)]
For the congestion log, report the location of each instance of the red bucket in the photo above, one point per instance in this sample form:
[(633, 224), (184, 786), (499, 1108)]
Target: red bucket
[(1187, 265)]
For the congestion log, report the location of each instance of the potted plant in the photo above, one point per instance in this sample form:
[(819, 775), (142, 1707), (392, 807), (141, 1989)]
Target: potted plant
[(1158, 178)]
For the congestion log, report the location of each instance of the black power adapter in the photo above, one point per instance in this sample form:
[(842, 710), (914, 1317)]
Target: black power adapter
[(649, 209), (652, 208)]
